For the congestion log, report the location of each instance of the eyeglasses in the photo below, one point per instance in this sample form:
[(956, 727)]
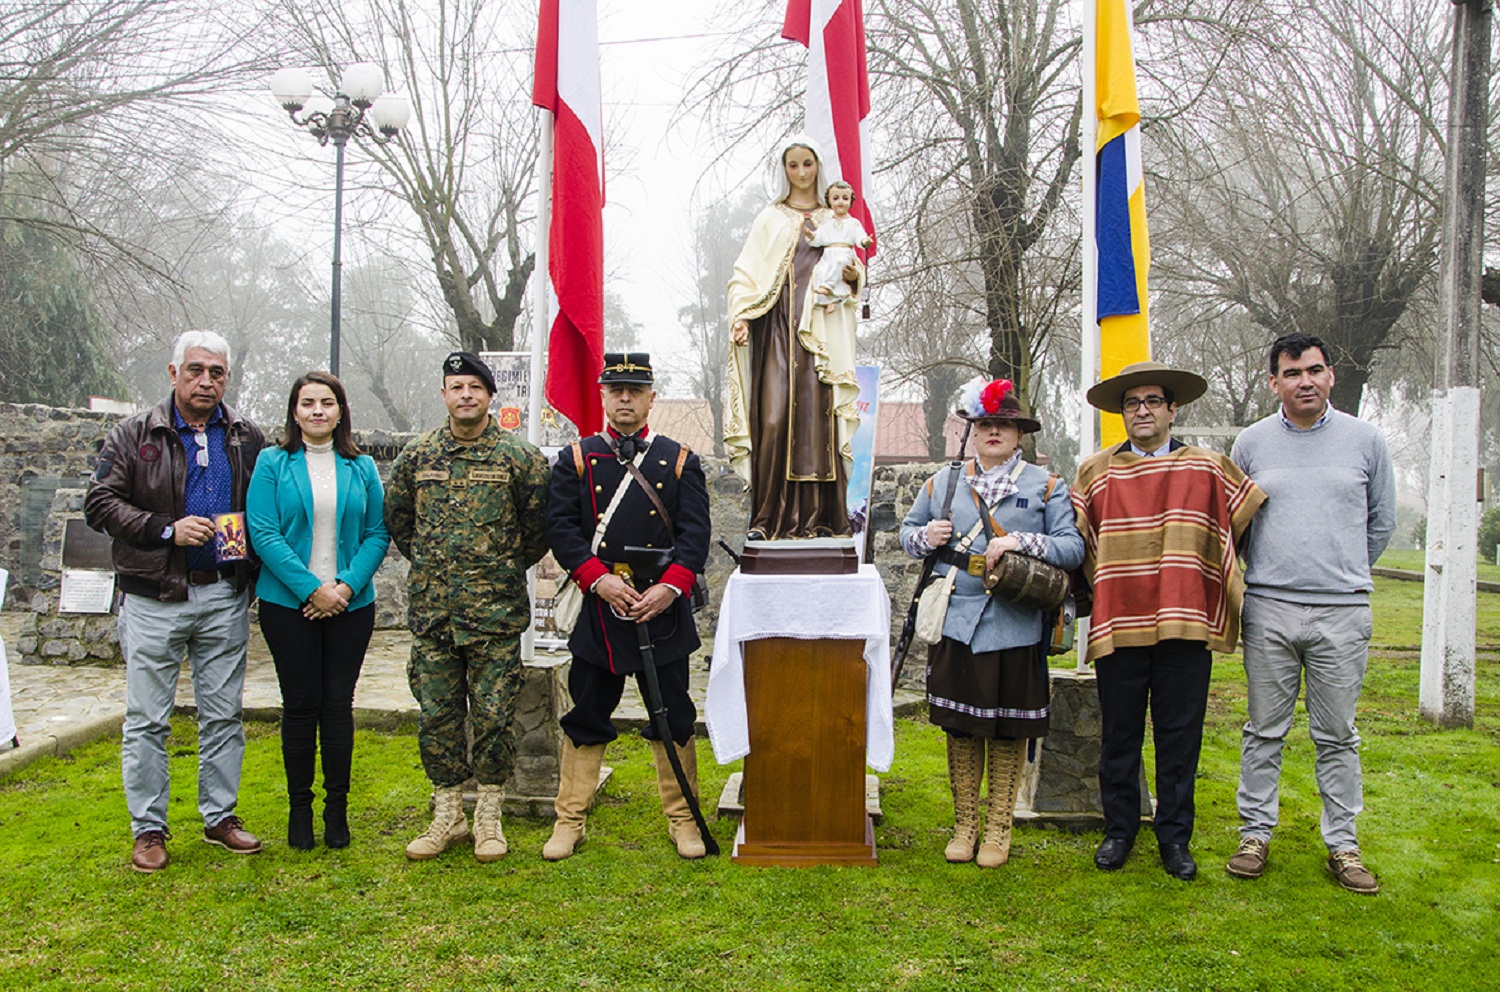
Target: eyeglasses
[(1152, 402), (202, 438)]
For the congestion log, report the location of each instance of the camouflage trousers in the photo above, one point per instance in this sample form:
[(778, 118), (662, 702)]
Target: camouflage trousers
[(478, 681)]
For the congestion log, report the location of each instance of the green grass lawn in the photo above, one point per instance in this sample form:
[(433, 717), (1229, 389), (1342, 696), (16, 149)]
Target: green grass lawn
[(1416, 561), (626, 913)]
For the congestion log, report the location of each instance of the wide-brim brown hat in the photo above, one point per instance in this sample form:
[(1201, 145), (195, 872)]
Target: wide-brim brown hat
[(981, 400), (1109, 394)]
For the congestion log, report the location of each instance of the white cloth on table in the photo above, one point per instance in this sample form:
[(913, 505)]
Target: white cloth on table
[(806, 607)]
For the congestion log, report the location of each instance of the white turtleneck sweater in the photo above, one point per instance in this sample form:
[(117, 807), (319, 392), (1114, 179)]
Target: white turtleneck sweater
[(323, 475)]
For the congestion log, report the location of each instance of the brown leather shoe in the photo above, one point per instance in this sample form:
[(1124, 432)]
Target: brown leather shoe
[(230, 834), (1349, 869), (1249, 861), (150, 851)]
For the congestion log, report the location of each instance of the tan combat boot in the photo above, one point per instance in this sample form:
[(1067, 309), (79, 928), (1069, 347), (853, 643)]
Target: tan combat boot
[(580, 777), (681, 826), (965, 770), (1007, 759), (448, 825), (489, 842)]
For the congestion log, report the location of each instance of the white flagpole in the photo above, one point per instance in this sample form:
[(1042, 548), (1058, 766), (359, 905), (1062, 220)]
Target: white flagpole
[(541, 277), (1089, 340), (541, 281)]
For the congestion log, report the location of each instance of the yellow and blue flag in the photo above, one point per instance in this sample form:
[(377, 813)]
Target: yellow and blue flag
[(1119, 206)]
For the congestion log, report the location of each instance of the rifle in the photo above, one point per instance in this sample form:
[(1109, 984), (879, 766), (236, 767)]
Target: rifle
[(909, 627)]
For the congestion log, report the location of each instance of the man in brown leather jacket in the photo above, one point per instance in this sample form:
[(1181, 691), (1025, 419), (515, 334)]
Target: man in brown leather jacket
[(163, 477)]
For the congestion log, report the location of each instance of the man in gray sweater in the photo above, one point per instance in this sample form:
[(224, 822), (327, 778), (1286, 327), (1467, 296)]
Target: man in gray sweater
[(1331, 511)]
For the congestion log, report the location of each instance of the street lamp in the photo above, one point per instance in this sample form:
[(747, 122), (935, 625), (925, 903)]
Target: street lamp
[(347, 114)]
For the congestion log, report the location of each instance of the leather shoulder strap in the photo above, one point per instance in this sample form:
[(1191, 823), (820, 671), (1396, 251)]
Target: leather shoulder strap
[(661, 507), (577, 458), (682, 456), (1052, 480)]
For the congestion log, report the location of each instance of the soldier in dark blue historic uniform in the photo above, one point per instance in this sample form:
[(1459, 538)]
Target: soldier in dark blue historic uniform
[(605, 644)]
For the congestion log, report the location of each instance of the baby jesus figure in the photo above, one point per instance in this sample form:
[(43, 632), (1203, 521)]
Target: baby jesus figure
[(838, 236)]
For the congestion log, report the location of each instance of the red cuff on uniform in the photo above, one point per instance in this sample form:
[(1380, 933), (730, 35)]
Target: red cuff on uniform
[(679, 577), (590, 572)]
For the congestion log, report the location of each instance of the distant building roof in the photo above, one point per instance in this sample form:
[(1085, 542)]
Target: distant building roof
[(900, 435)]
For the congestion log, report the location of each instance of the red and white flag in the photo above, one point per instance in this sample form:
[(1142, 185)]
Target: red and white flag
[(567, 84), (838, 90)]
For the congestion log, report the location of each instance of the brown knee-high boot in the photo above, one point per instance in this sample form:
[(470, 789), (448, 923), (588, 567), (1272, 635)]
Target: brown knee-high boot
[(965, 771), (680, 823), (1007, 759), (580, 777)]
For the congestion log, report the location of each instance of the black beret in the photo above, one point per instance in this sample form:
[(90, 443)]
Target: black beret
[(465, 363)]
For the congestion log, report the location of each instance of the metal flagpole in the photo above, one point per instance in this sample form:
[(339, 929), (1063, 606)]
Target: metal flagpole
[(542, 280), (1088, 350), (541, 276)]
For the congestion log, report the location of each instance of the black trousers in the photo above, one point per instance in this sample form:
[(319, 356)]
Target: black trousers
[(1171, 677), (317, 665), (596, 691)]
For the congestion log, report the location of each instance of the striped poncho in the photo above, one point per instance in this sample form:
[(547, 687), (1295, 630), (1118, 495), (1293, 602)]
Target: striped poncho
[(1159, 539)]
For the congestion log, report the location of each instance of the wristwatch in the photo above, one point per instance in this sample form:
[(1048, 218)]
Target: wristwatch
[(168, 532)]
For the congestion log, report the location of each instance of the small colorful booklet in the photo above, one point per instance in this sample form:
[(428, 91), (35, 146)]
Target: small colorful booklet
[(230, 544)]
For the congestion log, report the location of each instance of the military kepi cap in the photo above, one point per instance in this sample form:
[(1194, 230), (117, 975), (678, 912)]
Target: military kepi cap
[(466, 363), (627, 367)]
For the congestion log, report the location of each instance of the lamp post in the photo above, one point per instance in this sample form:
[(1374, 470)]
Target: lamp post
[(348, 114)]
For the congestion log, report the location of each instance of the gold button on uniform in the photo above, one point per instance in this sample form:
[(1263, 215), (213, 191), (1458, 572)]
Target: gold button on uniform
[(658, 485), (598, 489)]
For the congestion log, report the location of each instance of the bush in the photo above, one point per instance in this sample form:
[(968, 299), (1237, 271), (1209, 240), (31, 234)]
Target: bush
[(1489, 534)]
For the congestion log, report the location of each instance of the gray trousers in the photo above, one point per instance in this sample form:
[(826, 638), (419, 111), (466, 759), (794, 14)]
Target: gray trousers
[(210, 629), (1282, 641)]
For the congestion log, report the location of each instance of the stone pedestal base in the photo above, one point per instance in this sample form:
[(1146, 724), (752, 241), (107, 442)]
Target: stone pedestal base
[(1060, 789)]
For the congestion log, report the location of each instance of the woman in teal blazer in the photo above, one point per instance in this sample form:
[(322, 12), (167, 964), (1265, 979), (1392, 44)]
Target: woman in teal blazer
[(315, 512)]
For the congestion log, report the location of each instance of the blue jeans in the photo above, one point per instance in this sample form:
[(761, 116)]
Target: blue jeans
[(210, 629), (1329, 644)]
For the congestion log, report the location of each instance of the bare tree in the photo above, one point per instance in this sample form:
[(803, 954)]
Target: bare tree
[(718, 235), (93, 94), (1307, 197), (465, 165)]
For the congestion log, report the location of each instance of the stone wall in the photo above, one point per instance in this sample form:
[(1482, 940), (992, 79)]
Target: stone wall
[(50, 453), (41, 448)]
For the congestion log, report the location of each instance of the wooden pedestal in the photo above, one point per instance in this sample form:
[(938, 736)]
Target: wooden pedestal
[(805, 773)]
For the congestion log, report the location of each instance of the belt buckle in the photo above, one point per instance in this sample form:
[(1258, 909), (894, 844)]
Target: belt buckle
[(976, 566), (623, 570)]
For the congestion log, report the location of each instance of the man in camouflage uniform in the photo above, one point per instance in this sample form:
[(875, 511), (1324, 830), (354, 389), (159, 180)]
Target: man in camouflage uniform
[(466, 505)]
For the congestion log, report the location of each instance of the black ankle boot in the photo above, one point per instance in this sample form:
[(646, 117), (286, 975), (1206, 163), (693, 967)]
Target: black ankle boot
[(299, 828), (335, 822)]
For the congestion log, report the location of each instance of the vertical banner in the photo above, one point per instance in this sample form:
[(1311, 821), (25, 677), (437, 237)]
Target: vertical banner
[(862, 472), (838, 91), (1124, 249), (512, 372), (567, 85)]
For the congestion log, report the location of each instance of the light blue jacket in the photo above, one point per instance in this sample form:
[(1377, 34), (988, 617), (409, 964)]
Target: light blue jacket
[(984, 622), (279, 515)]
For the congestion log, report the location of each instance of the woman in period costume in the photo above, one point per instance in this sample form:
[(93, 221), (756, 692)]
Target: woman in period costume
[(987, 681), (315, 518), (792, 390)]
